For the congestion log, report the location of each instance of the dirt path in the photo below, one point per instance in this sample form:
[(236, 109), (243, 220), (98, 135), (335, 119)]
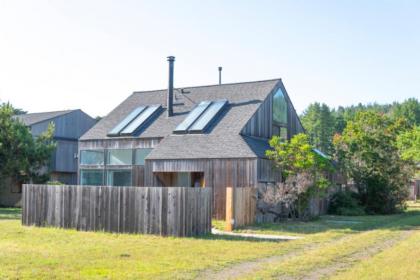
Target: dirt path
[(247, 267), (350, 260)]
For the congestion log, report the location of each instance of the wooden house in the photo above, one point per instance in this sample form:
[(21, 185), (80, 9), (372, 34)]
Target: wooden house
[(69, 126), (206, 136)]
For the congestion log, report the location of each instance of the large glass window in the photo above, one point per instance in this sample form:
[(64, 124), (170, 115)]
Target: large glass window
[(279, 107), (92, 157), (119, 178), (140, 155), (120, 157), (92, 177), (283, 133), (280, 131)]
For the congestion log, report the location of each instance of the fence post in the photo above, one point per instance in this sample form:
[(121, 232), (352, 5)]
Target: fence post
[(230, 209)]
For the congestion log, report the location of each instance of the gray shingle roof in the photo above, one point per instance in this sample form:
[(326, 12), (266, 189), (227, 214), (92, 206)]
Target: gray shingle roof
[(33, 118), (222, 141)]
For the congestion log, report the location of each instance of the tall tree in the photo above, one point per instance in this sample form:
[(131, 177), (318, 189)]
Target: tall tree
[(409, 110), (319, 124), (367, 151), (409, 144), (22, 156)]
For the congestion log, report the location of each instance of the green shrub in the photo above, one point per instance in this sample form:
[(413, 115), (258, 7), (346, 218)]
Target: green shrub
[(55, 183), (345, 203)]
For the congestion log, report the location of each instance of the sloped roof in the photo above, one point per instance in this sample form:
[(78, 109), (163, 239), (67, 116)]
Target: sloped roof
[(222, 141), (33, 118)]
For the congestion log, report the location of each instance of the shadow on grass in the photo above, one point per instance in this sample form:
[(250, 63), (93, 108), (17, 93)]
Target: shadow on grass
[(404, 221), (10, 213), (216, 237)]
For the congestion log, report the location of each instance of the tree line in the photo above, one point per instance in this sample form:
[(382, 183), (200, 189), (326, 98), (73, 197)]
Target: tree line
[(321, 122)]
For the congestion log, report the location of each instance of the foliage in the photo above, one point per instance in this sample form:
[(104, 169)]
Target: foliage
[(408, 110), (409, 144), (16, 111), (345, 203), (22, 156), (368, 153), (296, 156), (319, 124), (322, 123), (55, 183), (303, 171)]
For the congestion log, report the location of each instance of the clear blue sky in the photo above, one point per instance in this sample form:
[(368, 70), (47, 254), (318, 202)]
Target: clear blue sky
[(92, 54)]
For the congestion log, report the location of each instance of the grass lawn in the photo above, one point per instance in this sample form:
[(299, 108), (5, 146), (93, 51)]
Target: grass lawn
[(368, 247)]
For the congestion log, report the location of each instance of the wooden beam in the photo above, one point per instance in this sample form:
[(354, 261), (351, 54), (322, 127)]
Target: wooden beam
[(230, 209)]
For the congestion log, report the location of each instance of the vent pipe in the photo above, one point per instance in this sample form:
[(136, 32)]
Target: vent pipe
[(170, 95), (220, 75)]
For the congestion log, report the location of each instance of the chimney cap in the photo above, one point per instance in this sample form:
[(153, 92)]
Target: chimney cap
[(171, 58)]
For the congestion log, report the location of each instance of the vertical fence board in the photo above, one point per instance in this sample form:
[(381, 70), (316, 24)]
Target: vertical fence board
[(177, 211), (240, 207)]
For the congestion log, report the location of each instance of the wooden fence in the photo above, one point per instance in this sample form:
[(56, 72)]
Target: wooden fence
[(176, 211), (241, 204)]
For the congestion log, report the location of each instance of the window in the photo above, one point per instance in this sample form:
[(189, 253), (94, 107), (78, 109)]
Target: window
[(192, 116), (141, 120), (276, 130), (92, 157), (279, 108), (283, 133), (183, 179), (280, 131), (120, 157), (117, 129), (92, 177), (201, 117), (119, 178), (207, 117), (140, 155)]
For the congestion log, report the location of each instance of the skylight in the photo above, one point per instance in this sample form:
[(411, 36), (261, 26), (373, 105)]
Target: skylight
[(192, 116), (120, 126), (204, 121), (135, 121), (138, 123), (201, 117)]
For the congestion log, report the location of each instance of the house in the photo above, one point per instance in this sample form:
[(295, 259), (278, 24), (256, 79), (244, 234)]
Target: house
[(69, 126), (206, 136)]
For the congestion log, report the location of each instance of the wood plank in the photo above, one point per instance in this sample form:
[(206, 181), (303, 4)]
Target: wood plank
[(177, 211)]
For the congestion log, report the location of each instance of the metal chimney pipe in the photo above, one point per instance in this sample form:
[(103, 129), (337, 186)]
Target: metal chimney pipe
[(220, 75), (170, 95)]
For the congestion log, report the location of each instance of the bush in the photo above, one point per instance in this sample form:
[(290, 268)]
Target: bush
[(55, 183), (345, 203)]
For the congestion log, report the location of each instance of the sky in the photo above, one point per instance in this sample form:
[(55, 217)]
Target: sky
[(57, 55)]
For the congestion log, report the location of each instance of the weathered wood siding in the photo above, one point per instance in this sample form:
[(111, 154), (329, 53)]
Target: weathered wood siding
[(218, 174), (118, 143), (267, 172), (260, 125), (69, 126), (241, 206), (65, 156), (152, 210), (68, 129)]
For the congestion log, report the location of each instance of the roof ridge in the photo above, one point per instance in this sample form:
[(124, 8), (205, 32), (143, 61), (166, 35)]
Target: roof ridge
[(213, 85), (49, 112)]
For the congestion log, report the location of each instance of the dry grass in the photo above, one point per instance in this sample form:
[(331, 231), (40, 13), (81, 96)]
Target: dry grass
[(49, 253)]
